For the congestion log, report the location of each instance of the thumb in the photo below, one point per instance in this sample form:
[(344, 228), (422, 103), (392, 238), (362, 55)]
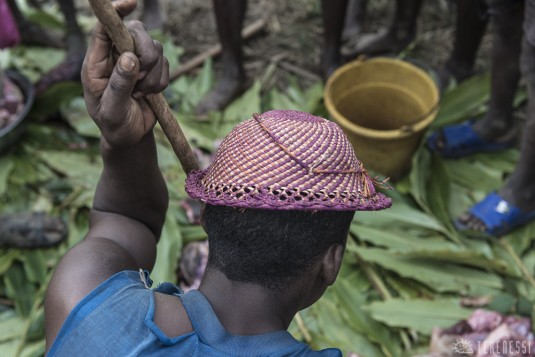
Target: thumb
[(116, 98)]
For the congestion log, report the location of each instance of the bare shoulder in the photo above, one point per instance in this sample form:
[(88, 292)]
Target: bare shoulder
[(114, 243), (171, 316)]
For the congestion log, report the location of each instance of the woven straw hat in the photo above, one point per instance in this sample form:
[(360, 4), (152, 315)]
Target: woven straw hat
[(287, 160)]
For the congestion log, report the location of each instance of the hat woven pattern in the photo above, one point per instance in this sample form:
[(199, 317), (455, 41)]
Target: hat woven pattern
[(286, 160)]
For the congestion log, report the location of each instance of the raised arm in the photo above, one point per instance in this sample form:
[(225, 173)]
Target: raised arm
[(131, 197)]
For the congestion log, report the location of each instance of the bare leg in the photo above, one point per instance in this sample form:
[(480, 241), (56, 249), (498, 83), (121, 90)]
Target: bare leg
[(498, 125), (505, 73), (229, 17), (333, 24), (520, 187), (75, 35), (519, 190), (69, 69), (398, 36), (32, 34), (354, 20), (152, 16), (472, 21)]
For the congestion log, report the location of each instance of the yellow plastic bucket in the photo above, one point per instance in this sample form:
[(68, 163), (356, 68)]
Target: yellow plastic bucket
[(384, 105)]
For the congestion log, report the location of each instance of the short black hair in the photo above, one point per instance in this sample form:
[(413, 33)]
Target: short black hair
[(269, 247)]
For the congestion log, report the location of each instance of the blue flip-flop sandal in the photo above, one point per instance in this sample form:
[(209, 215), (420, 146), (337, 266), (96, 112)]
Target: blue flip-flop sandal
[(461, 140), (499, 216)]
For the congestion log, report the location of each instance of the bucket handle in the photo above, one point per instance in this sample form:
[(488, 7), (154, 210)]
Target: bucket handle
[(409, 128)]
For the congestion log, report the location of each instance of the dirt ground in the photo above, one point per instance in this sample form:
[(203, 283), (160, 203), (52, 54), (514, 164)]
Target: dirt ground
[(294, 32)]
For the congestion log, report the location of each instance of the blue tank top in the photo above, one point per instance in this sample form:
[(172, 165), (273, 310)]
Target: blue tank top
[(116, 319)]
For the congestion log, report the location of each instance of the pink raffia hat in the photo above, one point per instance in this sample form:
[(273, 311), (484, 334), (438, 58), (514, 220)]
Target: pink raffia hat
[(287, 160)]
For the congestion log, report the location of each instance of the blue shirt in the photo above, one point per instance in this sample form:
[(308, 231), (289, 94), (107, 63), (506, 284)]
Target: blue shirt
[(117, 319)]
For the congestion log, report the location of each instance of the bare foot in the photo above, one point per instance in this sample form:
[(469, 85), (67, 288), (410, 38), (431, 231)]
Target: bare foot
[(350, 32), (350, 41), (225, 91), (521, 197), (385, 41), (471, 222), (34, 35), (453, 71), (491, 130), (68, 70)]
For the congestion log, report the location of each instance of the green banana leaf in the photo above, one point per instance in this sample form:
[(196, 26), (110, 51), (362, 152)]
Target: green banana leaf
[(418, 314)]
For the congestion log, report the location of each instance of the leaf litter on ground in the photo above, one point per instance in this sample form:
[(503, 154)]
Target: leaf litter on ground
[(406, 269)]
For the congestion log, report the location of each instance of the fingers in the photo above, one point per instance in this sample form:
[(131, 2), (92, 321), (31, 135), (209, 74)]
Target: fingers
[(96, 68), (107, 88), (157, 77), (124, 7), (97, 55), (147, 50), (164, 79), (97, 63), (117, 98), (99, 45), (154, 67)]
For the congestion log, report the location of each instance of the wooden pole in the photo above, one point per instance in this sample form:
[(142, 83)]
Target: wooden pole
[(112, 22)]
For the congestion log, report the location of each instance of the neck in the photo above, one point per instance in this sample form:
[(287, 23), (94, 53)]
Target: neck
[(245, 308)]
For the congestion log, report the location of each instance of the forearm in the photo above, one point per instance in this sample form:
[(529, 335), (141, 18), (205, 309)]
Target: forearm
[(132, 184)]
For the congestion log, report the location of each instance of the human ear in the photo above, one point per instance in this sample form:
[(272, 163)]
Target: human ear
[(331, 263), (322, 275)]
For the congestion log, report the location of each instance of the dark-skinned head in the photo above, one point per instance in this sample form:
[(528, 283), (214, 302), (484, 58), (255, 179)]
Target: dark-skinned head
[(277, 248), (280, 196)]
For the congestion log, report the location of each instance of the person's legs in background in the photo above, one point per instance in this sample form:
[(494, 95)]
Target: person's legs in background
[(496, 130), (32, 34), (70, 68), (505, 71), (333, 13), (471, 23), (354, 19), (519, 189), (516, 199), (152, 15), (399, 35), (229, 18), (76, 45)]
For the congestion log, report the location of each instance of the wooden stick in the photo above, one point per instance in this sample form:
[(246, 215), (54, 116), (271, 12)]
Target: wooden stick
[(215, 50), (300, 71), (195, 62), (112, 22)]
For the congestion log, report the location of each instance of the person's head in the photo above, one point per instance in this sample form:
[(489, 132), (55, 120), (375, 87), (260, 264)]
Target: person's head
[(280, 197), (275, 248)]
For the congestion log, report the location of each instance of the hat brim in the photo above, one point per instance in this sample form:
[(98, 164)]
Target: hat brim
[(262, 199)]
